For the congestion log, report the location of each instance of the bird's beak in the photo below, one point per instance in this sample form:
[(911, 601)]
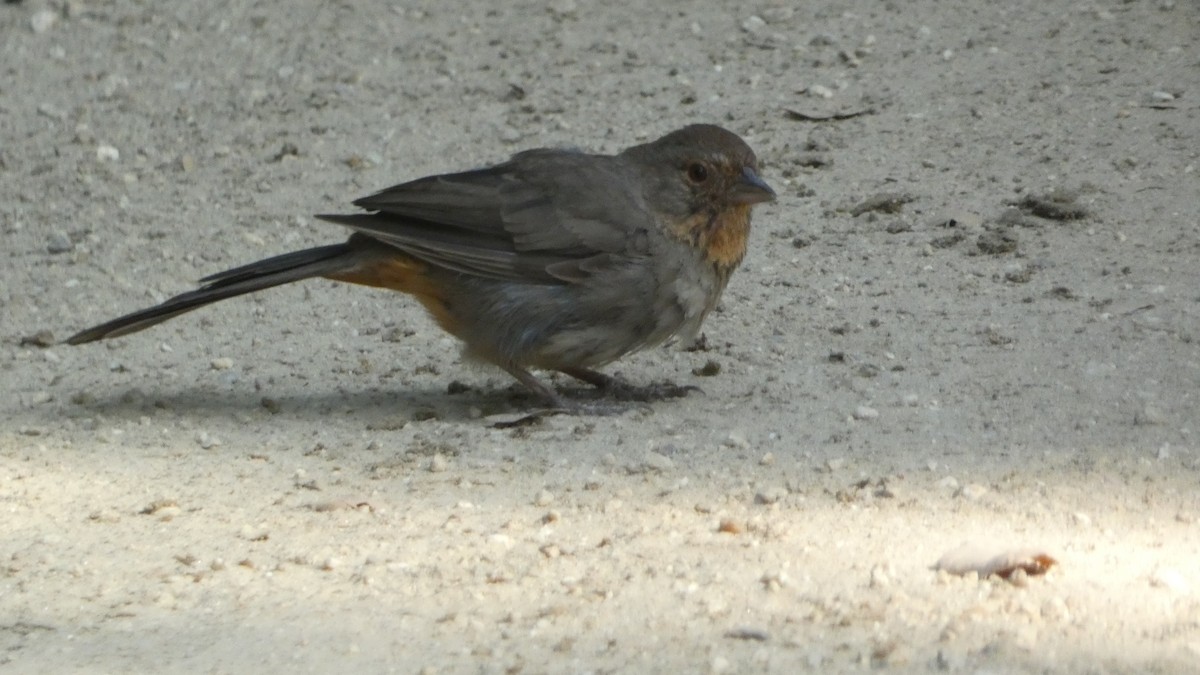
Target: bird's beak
[(752, 189)]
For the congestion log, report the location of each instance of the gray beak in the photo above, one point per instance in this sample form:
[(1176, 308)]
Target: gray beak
[(752, 189)]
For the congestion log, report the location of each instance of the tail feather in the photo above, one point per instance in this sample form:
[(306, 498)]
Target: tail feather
[(282, 269)]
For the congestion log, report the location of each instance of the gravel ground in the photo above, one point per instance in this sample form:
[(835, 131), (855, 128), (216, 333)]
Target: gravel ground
[(972, 316)]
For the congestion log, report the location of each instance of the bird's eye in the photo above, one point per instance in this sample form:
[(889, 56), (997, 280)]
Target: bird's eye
[(697, 172)]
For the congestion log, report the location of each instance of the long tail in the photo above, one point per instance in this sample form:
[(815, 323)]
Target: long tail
[(283, 269)]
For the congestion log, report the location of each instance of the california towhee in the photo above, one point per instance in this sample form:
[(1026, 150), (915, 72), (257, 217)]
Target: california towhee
[(555, 259)]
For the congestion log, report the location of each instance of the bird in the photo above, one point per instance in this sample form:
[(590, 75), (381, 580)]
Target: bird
[(554, 260)]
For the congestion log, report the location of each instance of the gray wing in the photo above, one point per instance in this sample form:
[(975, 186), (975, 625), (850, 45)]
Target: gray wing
[(547, 216)]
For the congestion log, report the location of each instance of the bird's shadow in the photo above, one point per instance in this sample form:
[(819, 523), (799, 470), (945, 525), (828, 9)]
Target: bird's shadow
[(380, 408)]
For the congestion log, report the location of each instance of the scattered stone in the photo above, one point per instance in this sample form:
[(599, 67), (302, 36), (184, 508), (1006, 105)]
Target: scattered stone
[(884, 202), (747, 633), (736, 439), (820, 91), (544, 498), (997, 242), (754, 24), (221, 363), (154, 507), (106, 515), (207, 441), (770, 496), (1170, 579), (107, 153), (767, 459), (656, 462), (250, 533), (709, 369), (43, 20), (949, 483), (881, 576), (438, 463), (1054, 205), (947, 241), (1149, 415), (729, 526), (42, 338), (865, 413), (972, 492), (59, 242), (1018, 273), (813, 160)]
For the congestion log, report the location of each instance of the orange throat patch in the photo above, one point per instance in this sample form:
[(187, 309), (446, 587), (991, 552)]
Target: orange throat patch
[(722, 237)]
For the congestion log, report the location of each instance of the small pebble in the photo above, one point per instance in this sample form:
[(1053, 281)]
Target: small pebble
[(949, 483), (754, 24), (881, 576), (544, 498), (771, 495), (438, 463), (222, 363), (864, 412), (820, 91), (43, 20), (42, 338), (59, 242), (972, 492), (207, 441), (107, 153), (658, 462), (736, 439), (1170, 579)]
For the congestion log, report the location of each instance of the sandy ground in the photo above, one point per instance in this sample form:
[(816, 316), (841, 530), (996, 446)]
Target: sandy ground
[(973, 315)]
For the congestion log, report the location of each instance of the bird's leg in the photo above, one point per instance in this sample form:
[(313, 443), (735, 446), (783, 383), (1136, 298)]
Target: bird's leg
[(557, 404), (618, 388), (539, 388), (594, 377)]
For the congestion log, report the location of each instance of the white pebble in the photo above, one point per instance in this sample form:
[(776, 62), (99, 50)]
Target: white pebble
[(864, 412), (222, 363), (1170, 579), (107, 153), (658, 462), (949, 483), (544, 498), (972, 492), (754, 24), (438, 463), (820, 90), (736, 439), (43, 21)]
